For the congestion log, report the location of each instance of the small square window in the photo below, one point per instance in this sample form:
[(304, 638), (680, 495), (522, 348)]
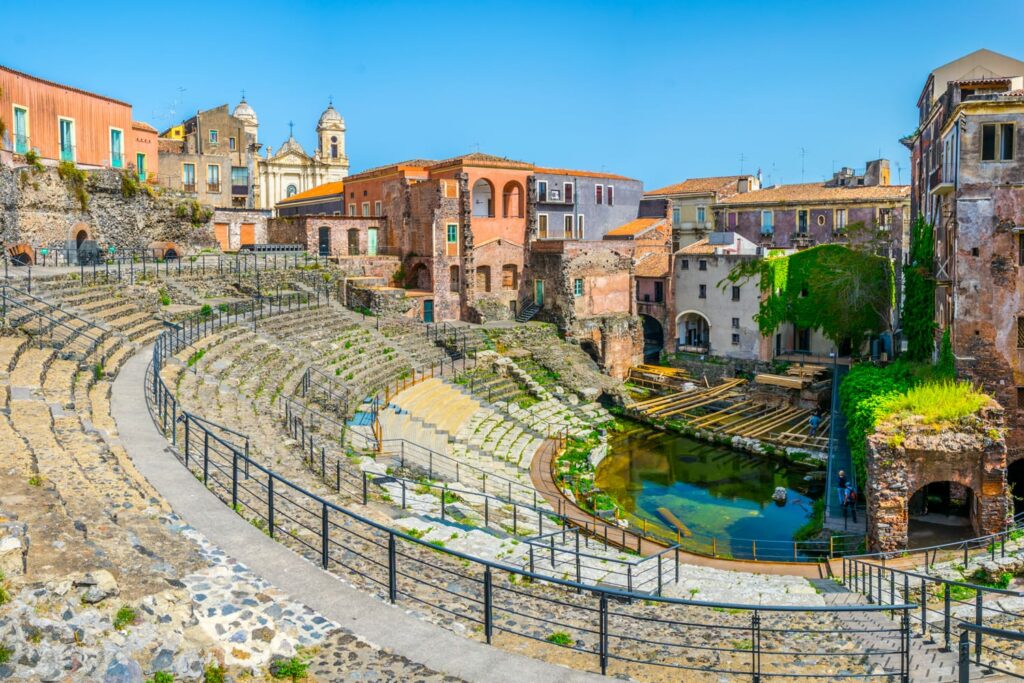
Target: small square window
[(231, 144), (735, 293), (974, 251), (577, 287), (453, 233), (735, 339), (702, 265), (213, 136), (735, 323), (702, 291), (685, 263)]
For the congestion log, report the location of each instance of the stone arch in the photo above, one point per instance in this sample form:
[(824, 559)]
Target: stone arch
[(80, 233), (1015, 482), (693, 330), (420, 277), (941, 511), (483, 198), (512, 200)]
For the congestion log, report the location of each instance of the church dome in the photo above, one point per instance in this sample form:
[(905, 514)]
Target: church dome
[(245, 112), (330, 118)]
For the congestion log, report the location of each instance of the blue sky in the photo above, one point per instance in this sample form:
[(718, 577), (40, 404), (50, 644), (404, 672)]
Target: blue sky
[(655, 90)]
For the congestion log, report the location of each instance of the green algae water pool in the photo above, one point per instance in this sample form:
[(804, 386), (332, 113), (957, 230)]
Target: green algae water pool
[(717, 493)]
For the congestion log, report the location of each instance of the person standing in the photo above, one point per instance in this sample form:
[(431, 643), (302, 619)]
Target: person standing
[(842, 487), (814, 422)]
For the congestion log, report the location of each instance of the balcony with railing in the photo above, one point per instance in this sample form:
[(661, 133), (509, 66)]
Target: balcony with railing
[(652, 307), (213, 187), (188, 187), (939, 184), (801, 239)]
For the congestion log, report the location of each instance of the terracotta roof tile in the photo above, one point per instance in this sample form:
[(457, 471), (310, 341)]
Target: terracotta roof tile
[(480, 158), (723, 186), (411, 163), (325, 190), (653, 264), (634, 227), (580, 174), (140, 125), (698, 248), (817, 192)]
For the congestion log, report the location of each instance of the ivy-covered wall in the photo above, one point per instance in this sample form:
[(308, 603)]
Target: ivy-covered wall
[(847, 294)]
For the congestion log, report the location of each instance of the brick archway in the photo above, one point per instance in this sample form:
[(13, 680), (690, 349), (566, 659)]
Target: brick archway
[(897, 468)]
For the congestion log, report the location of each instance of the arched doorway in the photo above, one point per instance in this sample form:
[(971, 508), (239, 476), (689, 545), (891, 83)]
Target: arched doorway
[(654, 338), (940, 512), (483, 198), (1015, 482), (693, 332), (80, 238), (512, 200), (420, 277), (324, 234)]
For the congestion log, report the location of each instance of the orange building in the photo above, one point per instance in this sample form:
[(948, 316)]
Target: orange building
[(62, 123)]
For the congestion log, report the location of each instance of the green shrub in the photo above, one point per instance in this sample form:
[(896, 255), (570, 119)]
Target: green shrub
[(206, 311), (5, 654), (76, 180), (32, 159), (947, 362)]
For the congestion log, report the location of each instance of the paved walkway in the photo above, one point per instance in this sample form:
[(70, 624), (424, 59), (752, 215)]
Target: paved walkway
[(377, 622), (543, 481)]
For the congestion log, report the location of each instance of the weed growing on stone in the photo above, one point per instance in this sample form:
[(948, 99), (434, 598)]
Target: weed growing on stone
[(744, 644), (35, 480), (5, 654), (294, 668), (560, 638), (161, 677), (214, 673), (124, 617)]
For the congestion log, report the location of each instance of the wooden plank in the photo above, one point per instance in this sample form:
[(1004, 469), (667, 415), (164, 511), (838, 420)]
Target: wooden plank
[(674, 521), (782, 381)]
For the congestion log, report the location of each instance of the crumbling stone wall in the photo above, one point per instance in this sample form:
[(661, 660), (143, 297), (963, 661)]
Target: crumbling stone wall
[(373, 295), (903, 458), (617, 339), (41, 209)]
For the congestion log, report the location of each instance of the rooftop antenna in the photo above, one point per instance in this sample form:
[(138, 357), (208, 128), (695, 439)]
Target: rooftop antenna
[(742, 159), (476, 147), (803, 154), (899, 173)]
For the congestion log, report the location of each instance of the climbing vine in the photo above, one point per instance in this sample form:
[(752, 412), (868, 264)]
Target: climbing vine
[(76, 180), (845, 293), (919, 284)]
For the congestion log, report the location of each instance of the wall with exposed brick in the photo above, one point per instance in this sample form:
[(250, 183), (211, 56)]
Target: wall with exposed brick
[(901, 459)]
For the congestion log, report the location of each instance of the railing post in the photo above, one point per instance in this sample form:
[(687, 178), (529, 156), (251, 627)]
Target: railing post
[(234, 480), (392, 569), (905, 646), (186, 440), (366, 493), (602, 638), (964, 658), (488, 605), (946, 615), (270, 505), (978, 606), (206, 455), (324, 550), (755, 647)]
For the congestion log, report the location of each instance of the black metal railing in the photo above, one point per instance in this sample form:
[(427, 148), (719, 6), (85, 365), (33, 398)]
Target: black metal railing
[(942, 604), (979, 652), (612, 628)]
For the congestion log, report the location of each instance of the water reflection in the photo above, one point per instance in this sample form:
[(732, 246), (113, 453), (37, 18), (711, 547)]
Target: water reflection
[(713, 491)]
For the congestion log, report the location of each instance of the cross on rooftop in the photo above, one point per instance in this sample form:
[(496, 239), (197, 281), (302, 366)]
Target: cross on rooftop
[(291, 127)]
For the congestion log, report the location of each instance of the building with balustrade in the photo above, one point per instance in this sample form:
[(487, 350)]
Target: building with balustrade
[(64, 123)]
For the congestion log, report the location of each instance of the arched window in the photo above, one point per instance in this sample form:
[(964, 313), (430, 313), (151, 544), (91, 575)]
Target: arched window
[(291, 191), (512, 200), (334, 146), (483, 198)]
